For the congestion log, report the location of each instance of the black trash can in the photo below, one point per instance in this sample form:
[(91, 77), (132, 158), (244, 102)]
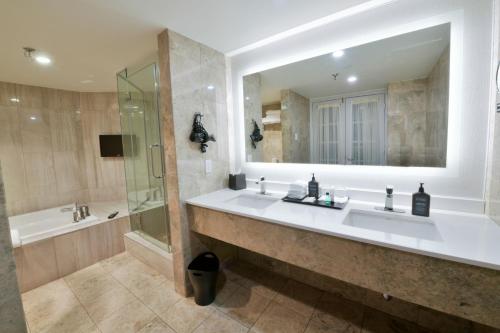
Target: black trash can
[(203, 276)]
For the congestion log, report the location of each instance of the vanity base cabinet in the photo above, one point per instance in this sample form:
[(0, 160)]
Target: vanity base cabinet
[(458, 289)]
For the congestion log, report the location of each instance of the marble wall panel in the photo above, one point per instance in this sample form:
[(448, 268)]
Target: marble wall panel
[(295, 127), (417, 118), (11, 308), (272, 147), (406, 123), (105, 175), (437, 111), (49, 147), (462, 290), (192, 79)]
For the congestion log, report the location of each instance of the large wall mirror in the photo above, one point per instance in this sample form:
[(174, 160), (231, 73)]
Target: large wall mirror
[(381, 103)]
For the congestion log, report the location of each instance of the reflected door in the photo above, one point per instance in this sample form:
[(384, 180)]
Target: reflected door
[(365, 130), (327, 132), (349, 130)]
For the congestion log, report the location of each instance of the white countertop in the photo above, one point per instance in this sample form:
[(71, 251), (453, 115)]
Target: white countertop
[(466, 238)]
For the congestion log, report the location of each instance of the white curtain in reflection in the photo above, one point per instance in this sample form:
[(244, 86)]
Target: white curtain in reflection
[(365, 130), (349, 131), (327, 129)]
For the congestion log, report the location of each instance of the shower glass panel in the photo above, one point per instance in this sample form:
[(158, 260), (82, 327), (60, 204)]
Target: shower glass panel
[(143, 154)]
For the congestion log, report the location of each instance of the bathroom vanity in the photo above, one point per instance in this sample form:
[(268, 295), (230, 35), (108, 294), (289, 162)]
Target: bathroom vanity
[(448, 262)]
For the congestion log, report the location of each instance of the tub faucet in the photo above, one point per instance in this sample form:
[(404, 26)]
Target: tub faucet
[(80, 212), (262, 183)]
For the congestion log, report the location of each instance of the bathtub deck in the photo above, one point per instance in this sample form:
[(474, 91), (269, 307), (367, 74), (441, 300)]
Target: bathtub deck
[(49, 259)]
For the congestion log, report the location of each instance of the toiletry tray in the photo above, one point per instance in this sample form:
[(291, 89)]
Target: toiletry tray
[(317, 203)]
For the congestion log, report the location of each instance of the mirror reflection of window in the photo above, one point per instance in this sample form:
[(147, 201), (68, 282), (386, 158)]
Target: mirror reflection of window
[(349, 131), (381, 103)]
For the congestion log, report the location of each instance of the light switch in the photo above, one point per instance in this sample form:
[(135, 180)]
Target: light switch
[(208, 166)]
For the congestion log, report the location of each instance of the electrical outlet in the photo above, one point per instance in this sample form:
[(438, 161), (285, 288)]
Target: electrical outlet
[(208, 167)]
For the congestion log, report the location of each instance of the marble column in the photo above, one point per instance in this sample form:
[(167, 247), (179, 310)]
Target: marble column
[(11, 308), (192, 79)]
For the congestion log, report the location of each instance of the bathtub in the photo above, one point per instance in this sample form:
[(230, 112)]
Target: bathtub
[(48, 245), (39, 225)]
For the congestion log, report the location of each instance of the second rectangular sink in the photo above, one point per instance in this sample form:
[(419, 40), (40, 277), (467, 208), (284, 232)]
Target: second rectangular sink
[(393, 223), (256, 201)]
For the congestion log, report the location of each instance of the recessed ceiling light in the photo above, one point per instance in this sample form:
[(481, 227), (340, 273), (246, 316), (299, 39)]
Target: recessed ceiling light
[(33, 118), (352, 79), (210, 87), (338, 53), (247, 98), (14, 100), (43, 60)]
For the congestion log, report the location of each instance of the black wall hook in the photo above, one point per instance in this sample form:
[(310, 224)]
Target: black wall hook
[(199, 134)]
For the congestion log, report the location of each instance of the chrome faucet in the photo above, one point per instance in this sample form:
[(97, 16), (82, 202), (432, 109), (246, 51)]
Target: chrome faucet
[(262, 183), (388, 198), (80, 212), (389, 202)]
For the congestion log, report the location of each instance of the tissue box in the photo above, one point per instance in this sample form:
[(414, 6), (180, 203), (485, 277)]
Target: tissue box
[(237, 182)]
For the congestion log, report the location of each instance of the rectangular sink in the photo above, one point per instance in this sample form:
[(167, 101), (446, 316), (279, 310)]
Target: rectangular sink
[(393, 223), (256, 201)]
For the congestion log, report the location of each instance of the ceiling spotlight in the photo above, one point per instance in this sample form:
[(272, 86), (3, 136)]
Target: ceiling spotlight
[(352, 79), (247, 98), (338, 53), (33, 118), (43, 60), (210, 87), (14, 100), (33, 54)]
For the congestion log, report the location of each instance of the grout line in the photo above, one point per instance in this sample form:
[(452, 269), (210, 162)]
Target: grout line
[(315, 308), (140, 300), (261, 314), (81, 304)]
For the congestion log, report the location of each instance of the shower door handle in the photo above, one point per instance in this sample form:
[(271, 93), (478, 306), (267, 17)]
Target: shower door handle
[(151, 148)]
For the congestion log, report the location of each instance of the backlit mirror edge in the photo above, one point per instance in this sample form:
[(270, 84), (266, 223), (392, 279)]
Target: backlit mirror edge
[(455, 19)]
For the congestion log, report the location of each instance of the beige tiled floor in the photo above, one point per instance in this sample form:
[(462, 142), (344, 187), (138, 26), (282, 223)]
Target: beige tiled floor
[(123, 295)]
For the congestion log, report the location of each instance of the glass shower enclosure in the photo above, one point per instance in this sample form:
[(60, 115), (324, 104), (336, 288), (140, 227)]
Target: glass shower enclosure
[(143, 154)]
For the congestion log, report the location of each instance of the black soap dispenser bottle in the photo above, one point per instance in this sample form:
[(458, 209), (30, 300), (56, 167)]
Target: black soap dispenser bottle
[(313, 188), (421, 202)]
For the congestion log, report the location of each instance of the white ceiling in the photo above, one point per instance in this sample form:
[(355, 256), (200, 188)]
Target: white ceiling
[(90, 40), (400, 58)]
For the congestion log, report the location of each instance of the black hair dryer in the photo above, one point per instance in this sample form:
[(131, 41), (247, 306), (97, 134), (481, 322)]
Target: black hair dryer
[(255, 136), (199, 134)]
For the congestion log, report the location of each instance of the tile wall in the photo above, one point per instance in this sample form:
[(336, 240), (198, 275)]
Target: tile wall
[(417, 118), (49, 147), (192, 79), (295, 127), (11, 308)]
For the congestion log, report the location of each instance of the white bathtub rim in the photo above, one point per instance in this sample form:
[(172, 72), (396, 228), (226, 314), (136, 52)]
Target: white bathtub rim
[(37, 237)]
